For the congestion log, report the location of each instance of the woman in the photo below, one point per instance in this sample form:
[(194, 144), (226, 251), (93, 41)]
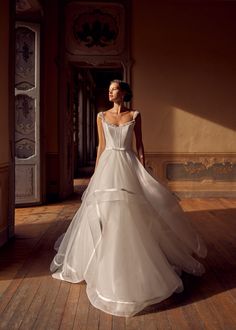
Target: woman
[(130, 239)]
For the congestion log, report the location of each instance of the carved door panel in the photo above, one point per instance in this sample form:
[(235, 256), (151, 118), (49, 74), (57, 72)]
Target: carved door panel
[(27, 114)]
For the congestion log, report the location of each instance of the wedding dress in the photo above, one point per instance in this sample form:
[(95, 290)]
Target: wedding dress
[(130, 239)]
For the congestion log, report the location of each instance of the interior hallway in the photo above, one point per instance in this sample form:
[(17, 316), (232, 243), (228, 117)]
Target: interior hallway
[(31, 299)]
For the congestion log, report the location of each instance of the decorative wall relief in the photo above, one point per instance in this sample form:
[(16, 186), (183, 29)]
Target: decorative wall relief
[(24, 126), (95, 28), (24, 149), (25, 114), (25, 184), (196, 171), (195, 174), (25, 59)]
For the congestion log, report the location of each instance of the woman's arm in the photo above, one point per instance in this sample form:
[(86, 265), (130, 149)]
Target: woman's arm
[(101, 139), (139, 140)]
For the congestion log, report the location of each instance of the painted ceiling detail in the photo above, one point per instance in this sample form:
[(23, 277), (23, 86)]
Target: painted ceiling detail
[(95, 28)]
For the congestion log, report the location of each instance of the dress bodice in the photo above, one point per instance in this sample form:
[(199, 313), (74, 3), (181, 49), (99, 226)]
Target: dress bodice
[(118, 137)]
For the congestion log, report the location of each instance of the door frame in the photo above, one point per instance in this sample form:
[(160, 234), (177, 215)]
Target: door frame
[(119, 57), (36, 94), (11, 115)]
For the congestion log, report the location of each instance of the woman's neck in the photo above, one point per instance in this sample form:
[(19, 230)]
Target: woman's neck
[(118, 108)]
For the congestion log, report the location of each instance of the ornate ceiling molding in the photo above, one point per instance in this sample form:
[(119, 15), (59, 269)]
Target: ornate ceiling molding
[(23, 6)]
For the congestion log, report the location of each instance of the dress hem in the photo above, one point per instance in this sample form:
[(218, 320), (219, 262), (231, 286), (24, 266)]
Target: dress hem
[(176, 289), (141, 307)]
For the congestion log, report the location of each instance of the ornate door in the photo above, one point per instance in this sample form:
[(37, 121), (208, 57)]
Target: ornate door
[(27, 114)]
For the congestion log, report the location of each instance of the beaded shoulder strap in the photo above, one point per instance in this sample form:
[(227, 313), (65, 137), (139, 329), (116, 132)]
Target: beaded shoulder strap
[(136, 112), (100, 115)]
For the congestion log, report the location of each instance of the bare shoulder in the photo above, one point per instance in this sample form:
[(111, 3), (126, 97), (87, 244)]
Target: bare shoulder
[(107, 111)]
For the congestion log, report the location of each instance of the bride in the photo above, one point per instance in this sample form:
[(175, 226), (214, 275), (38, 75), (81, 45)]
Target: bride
[(130, 239)]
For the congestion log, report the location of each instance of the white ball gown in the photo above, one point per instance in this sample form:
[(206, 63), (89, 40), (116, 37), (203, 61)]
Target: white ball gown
[(130, 239)]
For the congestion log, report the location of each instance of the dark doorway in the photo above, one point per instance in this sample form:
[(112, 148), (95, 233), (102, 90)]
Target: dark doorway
[(90, 96)]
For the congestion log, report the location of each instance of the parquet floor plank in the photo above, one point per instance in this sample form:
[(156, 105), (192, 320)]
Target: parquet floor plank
[(105, 321), (22, 308), (81, 317), (93, 318), (57, 311), (70, 307), (177, 320), (45, 310), (118, 323), (147, 321), (191, 315), (162, 319), (35, 307), (133, 323), (23, 292)]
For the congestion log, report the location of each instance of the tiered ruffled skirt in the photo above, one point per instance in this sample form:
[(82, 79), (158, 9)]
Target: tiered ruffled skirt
[(129, 240)]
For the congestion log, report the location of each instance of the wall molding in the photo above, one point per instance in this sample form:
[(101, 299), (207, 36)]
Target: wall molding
[(195, 174)]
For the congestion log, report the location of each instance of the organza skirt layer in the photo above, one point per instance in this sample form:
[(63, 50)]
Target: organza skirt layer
[(129, 240)]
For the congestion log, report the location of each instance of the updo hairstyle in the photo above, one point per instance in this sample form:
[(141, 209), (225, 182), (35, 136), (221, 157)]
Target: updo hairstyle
[(125, 87)]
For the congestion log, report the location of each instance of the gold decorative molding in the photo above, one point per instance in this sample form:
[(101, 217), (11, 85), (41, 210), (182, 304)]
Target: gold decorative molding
[(226, 169), (193, 168), (197, 168), (195, 174)]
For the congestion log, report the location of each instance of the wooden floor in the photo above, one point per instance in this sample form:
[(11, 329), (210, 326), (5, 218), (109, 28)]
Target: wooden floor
[(31, 299)]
